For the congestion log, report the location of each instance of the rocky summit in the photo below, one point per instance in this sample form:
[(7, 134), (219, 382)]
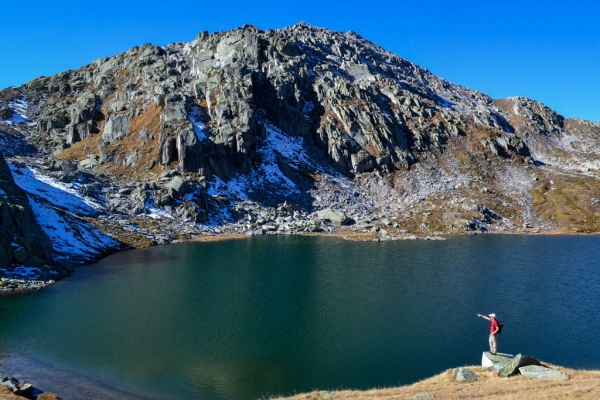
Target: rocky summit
[(298, 130)]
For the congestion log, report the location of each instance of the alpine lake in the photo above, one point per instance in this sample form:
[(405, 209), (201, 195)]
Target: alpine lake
[(278, 315)]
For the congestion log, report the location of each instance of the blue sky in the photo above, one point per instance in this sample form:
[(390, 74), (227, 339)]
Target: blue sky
[(545, 50)]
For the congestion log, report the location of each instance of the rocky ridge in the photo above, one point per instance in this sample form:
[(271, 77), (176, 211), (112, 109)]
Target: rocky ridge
[(298, 130)]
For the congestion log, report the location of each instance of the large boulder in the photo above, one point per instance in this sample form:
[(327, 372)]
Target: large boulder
[(5, 112), (495, 361), (465, 375), (179, 185), (329, 214), (512, 367), (117, 126), (543, 373)]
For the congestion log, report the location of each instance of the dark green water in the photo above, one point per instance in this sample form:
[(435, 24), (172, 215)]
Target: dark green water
[(277, 315)]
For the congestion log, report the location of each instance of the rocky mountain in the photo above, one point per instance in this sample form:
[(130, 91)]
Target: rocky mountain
[(296, 130)]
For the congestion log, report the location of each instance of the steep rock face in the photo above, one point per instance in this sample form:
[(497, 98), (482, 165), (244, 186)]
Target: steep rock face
[(22, 241), (367, 108)]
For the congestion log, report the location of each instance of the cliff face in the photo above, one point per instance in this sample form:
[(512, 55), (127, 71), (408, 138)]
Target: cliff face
[(22, 241), (256, 131)]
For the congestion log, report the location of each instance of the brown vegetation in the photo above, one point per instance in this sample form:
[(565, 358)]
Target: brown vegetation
[(568, 201)]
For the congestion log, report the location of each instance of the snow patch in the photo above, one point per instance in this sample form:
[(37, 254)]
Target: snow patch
[(154, 212), (53, 191), (197, 124), (70, 237), (19, 108), (444, 102), (22, 272)]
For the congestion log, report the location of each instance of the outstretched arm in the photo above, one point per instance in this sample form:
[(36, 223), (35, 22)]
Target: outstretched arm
[(483, 316)]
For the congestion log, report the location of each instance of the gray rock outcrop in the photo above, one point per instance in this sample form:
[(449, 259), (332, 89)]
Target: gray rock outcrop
[(512, 366)]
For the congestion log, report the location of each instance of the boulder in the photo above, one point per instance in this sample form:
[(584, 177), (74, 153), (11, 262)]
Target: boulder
[(543, 373), (329, 214), (512, 367), (179, 185), (63, 165), (495, 361), (117, 127), (464, 375), (423, 396), (175, 107), (5, 112)]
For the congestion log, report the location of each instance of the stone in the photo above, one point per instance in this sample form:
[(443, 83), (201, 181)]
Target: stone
[(5, 112), (543, 373), (12, 384), (329, 214), (423, 396), (495, 361), (25, 390), (179, 185), (512, 367), (464, 375), (88, 163), (63, 165), (117, 127)]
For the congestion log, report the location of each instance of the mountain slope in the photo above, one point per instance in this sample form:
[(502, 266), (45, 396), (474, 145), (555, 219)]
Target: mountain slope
[(257, 131)]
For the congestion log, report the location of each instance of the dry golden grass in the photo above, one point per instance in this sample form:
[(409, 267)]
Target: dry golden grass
[(581, 385), (567, 202)]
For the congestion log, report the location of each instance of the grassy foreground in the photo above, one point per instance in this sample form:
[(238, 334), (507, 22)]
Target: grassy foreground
[(582, 384)]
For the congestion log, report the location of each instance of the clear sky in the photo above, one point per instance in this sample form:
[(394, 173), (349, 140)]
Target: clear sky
[(545, 50)]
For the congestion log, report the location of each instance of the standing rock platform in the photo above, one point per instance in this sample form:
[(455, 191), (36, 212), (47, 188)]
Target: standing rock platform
[(508, 365)]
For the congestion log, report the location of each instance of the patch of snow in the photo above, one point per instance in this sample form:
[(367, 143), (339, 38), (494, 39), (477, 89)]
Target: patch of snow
[(236, 186), (19, 108), (52, 191), (197, 124), (22, 272), (494, 213), (444, 102), (155, 212), (70, 236)]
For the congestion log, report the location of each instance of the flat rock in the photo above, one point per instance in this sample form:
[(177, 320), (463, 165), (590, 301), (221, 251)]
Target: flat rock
[(512, 367), (423, 396), (543, 373)]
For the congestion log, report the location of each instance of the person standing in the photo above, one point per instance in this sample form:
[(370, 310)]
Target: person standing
[(494, 329)]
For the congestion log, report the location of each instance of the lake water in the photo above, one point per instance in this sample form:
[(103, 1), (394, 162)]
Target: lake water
[(277, 315)]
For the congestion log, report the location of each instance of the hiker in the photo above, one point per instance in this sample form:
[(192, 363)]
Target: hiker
[(494, 330)]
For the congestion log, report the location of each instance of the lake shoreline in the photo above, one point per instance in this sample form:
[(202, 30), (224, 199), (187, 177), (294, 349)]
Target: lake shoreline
[(14, 286)]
